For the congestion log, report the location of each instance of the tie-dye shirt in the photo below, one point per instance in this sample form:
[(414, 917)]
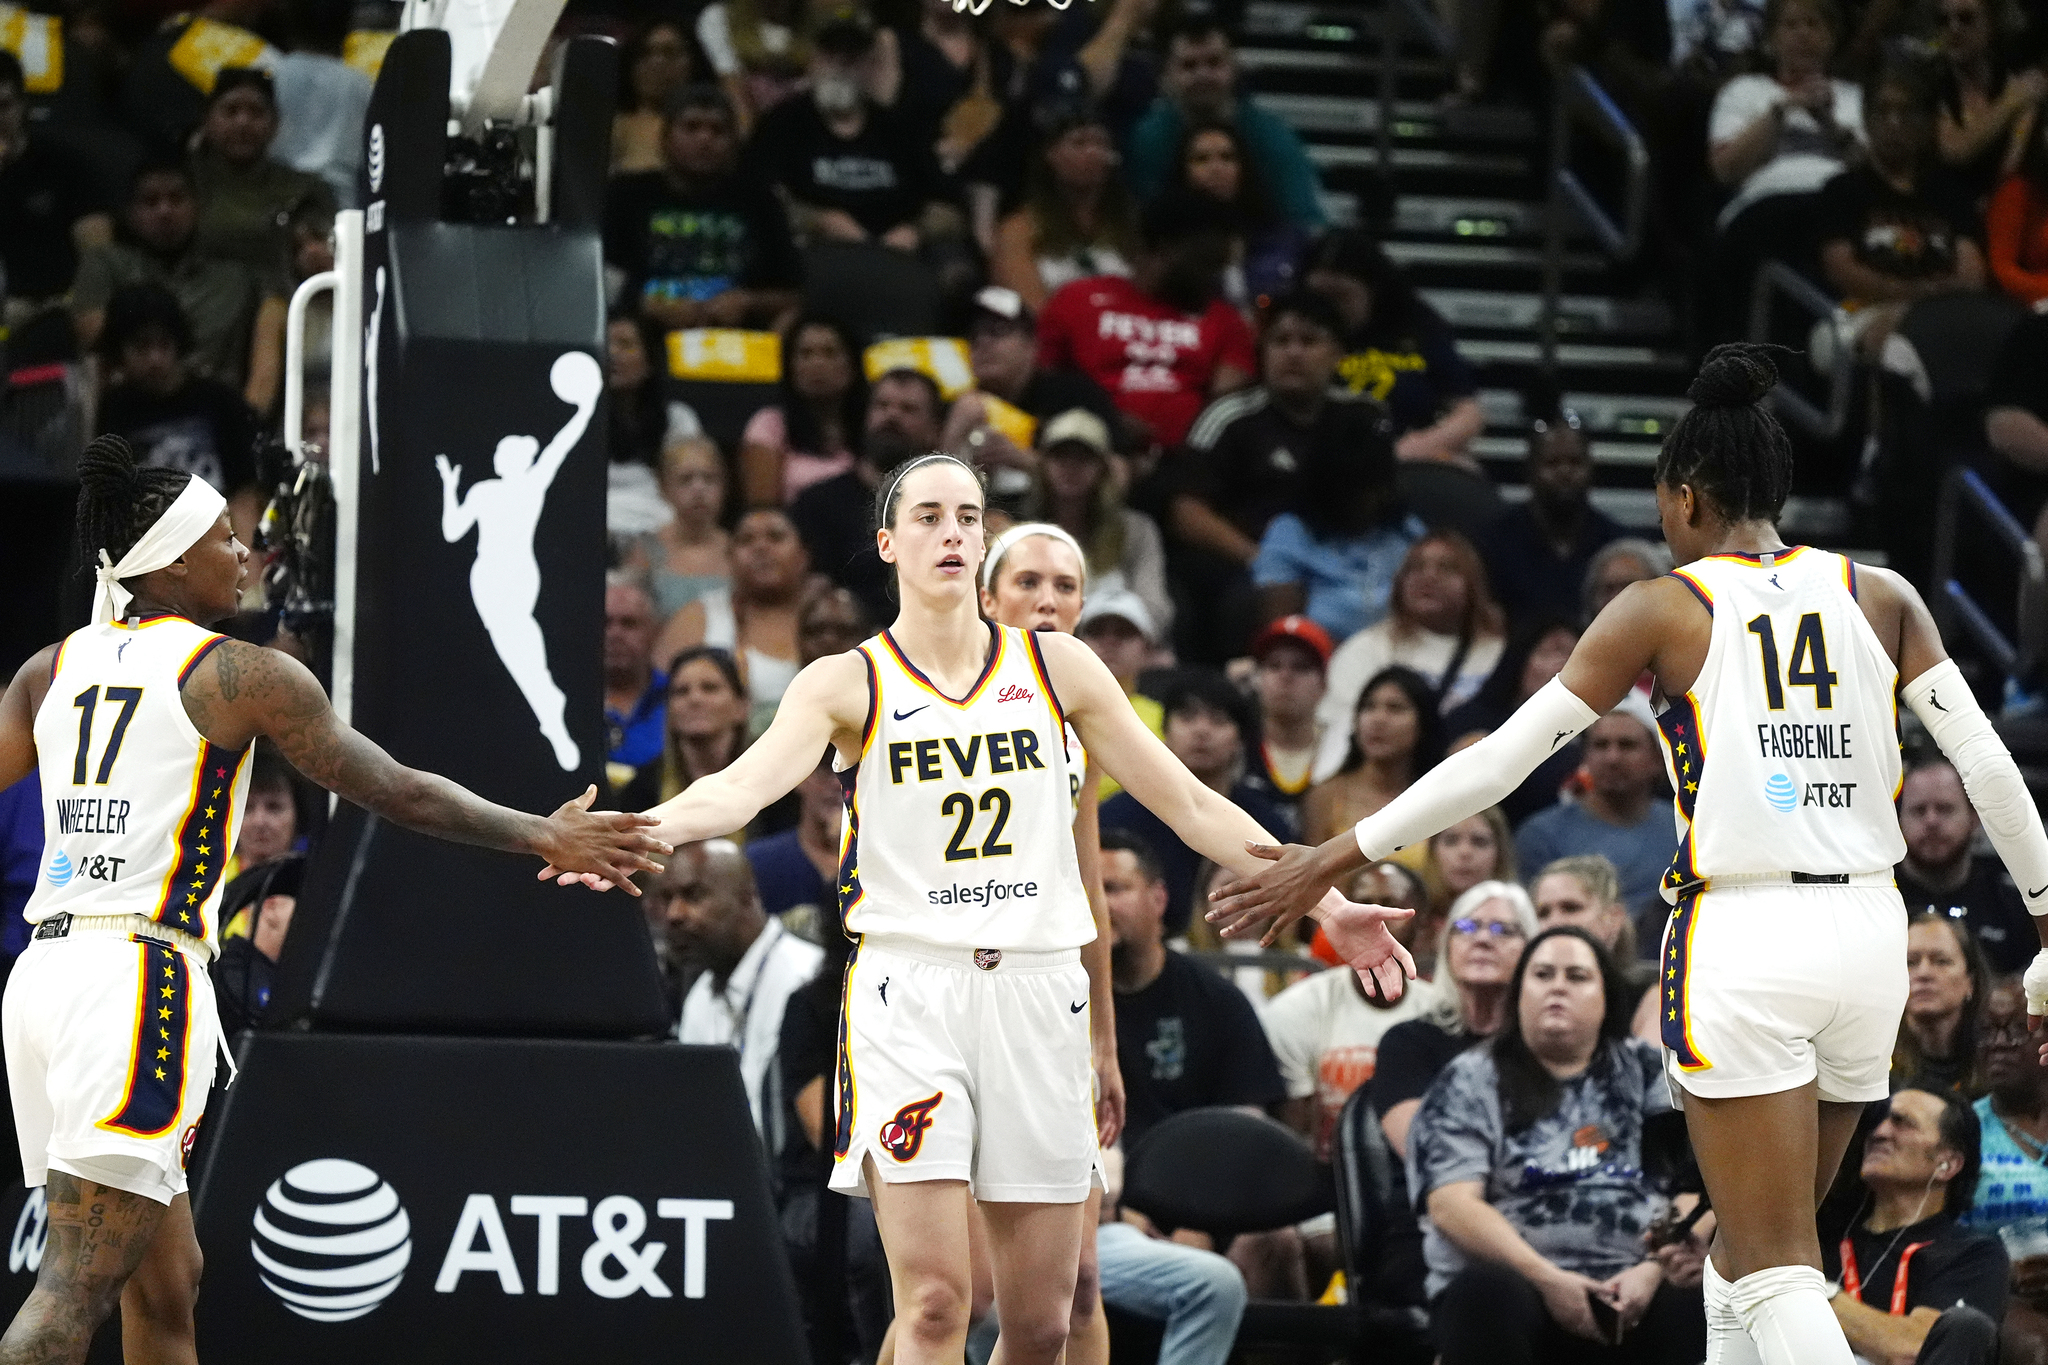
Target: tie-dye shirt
[(2011, 1186)]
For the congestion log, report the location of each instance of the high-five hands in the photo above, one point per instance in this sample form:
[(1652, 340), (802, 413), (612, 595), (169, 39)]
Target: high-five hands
[(1274, 898), (1360, 935), (601, 848)]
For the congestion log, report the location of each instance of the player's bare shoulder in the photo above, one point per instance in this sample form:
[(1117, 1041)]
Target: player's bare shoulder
[(835, 685), (32, 680)]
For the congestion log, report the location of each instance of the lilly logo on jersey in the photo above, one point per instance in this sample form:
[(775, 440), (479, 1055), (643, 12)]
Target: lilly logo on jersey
[(1780, 791), (1012, 692), (60, 870)]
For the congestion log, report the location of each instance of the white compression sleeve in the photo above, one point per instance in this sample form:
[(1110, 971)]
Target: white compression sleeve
[(1472, 779), (1946, 707)]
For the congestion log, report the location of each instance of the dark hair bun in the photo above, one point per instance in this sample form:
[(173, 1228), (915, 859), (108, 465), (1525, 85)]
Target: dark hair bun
[(1733, 376), (107, 471)]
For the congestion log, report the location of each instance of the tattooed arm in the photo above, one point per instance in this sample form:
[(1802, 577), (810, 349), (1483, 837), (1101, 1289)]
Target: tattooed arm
[(240, 691)]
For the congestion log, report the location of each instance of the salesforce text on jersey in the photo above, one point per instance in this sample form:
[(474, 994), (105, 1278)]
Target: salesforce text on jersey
[(984, 893)]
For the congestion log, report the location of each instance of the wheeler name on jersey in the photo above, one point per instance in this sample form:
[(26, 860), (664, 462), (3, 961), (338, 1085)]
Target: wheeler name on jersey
[(91, 815)]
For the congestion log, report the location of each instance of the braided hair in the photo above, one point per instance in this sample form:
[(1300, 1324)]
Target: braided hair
[(118, 499), (1729, 447)]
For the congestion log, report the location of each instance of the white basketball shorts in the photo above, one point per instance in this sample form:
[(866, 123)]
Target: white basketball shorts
[(1768, 987), (110, 1054), (966, 1064)]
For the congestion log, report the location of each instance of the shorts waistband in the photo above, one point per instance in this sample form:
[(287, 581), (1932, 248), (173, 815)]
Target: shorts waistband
[(1737, 879), (123, 926), (987, 959)]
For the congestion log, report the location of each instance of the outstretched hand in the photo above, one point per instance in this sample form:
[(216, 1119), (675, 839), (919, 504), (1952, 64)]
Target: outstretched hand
[(601, 848), (1270, 900), (1360, 935)]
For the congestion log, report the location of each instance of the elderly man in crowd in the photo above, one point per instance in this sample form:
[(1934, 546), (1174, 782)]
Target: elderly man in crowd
[(635, 691)]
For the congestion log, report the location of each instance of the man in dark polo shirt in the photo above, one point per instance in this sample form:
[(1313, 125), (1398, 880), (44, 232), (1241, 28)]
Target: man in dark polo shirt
[(1941, 873)]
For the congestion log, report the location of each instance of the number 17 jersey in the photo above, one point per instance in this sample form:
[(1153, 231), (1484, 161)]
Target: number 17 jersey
[(1784, 755), (959, 815)]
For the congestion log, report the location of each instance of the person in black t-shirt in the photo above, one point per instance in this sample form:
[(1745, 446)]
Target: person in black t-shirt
[(1908, 1283), (1941, 873), (1538, 551), (854, 173), (173, 418), (1186, 1038), (699, 244), (49, 211)]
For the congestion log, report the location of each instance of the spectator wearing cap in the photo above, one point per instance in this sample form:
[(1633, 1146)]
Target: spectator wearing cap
[(1199, 84), (696, 244), (236, 313), (1163, 342), (1619, 815), (1002, 339), (1942, 872), (847, 165), (1078, 490), (1291, 445), (1292, 654), (245, 198), (50, 212), (1209, 726), (1078, 219), (1538, 551), (1119, 628)]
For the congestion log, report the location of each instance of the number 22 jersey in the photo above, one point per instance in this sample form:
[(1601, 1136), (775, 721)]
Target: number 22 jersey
[(959, 815), (1784, 755), (140, 811)]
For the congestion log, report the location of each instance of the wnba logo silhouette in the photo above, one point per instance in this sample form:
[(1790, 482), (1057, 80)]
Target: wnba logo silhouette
[(504, 582), (903, 1136)]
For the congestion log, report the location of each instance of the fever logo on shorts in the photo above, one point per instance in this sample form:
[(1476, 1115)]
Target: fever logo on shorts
[(903, 1136), (331, 1240)]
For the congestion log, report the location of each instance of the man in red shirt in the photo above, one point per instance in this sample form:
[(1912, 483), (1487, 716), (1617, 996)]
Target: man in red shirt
[(1163, 342)]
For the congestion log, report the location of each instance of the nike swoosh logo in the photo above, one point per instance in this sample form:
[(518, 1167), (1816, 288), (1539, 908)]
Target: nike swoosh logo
[(906, 715), (2036, 895), (1076, 1009)]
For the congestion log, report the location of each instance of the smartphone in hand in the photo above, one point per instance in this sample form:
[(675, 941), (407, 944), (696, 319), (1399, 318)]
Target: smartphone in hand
[(1606, 1318)]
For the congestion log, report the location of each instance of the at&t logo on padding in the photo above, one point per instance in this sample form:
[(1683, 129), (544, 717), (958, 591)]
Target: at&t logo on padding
[(331, 1240)]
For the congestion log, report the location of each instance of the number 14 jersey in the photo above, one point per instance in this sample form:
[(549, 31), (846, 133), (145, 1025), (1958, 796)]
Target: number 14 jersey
[(959, 815), (1784, 756)]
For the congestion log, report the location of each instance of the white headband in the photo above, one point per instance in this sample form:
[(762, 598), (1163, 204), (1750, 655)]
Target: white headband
[(181, 526), (910, 466), (1022, 531)]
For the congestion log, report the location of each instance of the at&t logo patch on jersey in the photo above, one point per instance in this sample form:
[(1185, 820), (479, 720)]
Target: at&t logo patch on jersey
[(60, 870), (1780, 792), (903, 1136)]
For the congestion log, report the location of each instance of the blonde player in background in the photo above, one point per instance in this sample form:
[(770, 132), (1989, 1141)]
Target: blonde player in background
[(964, 1066), (1784, 962), (140, 726)]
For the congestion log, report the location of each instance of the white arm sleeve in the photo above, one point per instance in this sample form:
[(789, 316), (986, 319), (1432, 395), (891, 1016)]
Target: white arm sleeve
[(1472, 779), (1989, 775)]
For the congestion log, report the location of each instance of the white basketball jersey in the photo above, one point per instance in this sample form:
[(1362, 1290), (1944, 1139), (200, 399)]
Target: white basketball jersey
[(1784, 756), (960, 814), (140, 811)]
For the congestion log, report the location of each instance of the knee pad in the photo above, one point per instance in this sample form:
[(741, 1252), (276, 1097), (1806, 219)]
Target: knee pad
[(1786, 1311)]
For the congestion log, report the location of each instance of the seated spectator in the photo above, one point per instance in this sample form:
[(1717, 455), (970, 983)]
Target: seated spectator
[(1078, 219), (1622, 814), (1289, 657), (1002, 339), (799, 867), (759, 49), (1535, 653), (1118, 627), (638, 417), (1459, 857), (2016, 224), (904, 417), (690, 554), (262, 900), (1774, 140), (236, 314), (754, 616), (1185, 1037), (165, 79), (1586, 891), (1334, 554), (1206, 725), (1943, 1300), (1077, 490), (954, 75), (830, 621), (1397, 349), (50, 214), (1163, 342), (850, 173), (270, 822), (752, 963), (2012, 1116), (706, 726), (245, 198), (660, 58), (1197, 1296), (1522, 1236), (1394, 737), (635, 691), (1985, 112), (1199, 83), (1213, 160), (1476, 949), (1942, 873), (322, 101), (695, 243), (1616, 565), (806, 436), (1443, 623), (1538, 552), (1897, 228), (173, 416), (1946, 986)]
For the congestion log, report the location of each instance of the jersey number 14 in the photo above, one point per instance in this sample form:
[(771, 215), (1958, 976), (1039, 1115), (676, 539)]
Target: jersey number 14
[(1809, 666)]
